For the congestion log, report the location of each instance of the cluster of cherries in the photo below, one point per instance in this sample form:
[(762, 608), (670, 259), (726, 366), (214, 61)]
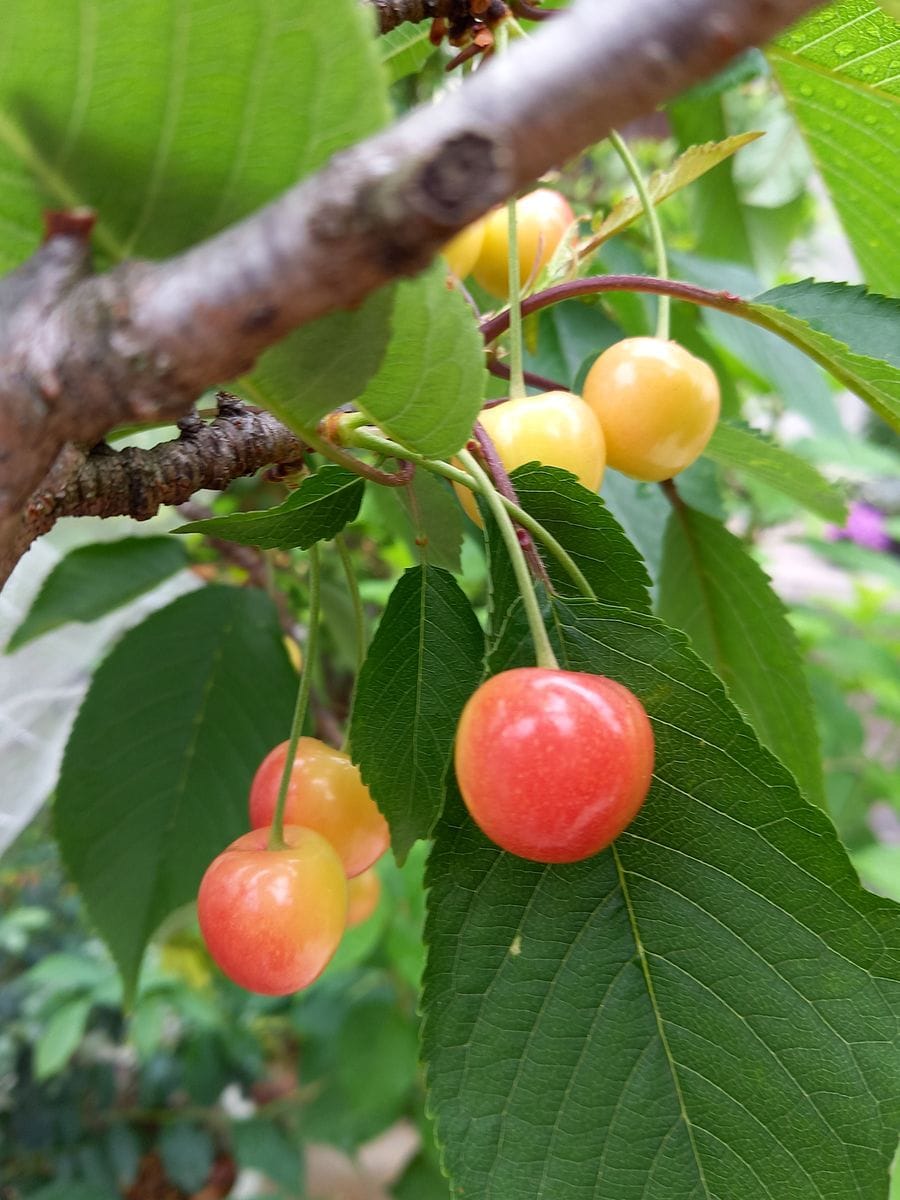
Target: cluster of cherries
[(648, 407), (272, 918)]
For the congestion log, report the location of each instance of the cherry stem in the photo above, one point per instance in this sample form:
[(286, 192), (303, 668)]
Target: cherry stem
[(543, 651), (276, 833), (503, 484), (516, 373), (359, 616), (593, 285), (659, 246), (328, 449)]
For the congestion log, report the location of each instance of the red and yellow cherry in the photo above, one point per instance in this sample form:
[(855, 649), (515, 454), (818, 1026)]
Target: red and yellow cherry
[(553, 764), (363, 894), (272, 919), (657, 403), (326, 794), (462, 251), (554, 428), (543, 218)]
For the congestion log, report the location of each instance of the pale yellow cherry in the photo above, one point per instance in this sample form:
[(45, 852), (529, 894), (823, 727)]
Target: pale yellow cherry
[(543, 218), (462, 251), (555, 428), (658, 406)]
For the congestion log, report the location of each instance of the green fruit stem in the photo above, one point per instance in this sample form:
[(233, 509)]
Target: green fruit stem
[(659, 245), (276, 835), (516, 369), (543, 651)]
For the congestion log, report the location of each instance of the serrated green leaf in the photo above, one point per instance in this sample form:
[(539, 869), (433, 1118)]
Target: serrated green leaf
[(854, 334), (156, 772), (212, 117), (94, 580), (429, 388), (705, 1012), (687, 167), (838, 69), (315, 511), (712, 590), (404, 50), (61, 1036), (424, 662), (744, 450)]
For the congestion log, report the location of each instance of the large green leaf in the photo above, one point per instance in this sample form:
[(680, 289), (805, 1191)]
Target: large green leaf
[(317, 510), (838, 69), (169, 119), (712, 589), (424, 662), (708, 1011), (93, 580), (156, 773), (429, 388), (745, 450)]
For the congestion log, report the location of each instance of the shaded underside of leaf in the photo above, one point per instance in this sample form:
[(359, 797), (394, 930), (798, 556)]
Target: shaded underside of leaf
[(705, 1012), (157, 769), (425, 660), (712, 590)]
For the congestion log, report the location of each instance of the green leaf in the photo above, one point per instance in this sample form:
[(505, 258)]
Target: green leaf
[(838, 69), (428, 391), (745, 450), (405, 50), (432, 519), (261, 1145), (61, 1036), (187, 1152), (708, 1009), (156, 773), (316, 511), (687, 167), (93, 580), (424, 662), (712, 590), (584, 526), (212, 117)]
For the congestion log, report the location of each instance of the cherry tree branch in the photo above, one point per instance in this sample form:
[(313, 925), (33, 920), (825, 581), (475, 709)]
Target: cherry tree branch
[(391, 13), (81, 353)]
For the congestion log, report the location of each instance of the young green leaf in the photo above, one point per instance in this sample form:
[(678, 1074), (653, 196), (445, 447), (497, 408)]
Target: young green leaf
[(712, 590), (404, 50), (745, 450), (94, 580), (706, 1010), (61, 1036), (424, 662), (838, 69), (429, 388), (156, 773), (317, 510)]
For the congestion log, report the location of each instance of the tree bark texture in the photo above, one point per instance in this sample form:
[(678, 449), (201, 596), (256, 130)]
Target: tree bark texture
[(82, 353)]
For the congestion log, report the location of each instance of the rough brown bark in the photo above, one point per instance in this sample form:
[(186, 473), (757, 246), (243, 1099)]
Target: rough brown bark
[(80, 354), (391, 13)]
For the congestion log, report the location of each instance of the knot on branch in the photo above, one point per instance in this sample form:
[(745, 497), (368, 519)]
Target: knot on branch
[(452, 185)]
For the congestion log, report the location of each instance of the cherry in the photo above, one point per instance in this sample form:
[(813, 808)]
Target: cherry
[(363, 894), (325, 793), (272, 919), (658, 406), (553, 764), (543, 218), (554, 428), (462, 251)]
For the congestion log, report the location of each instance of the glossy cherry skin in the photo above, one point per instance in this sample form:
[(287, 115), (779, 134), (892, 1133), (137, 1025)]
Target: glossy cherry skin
[(552, 764), (543, 218), (272, 919), (327, 794), (462, 251), (554, 428), (363, 894), (657, 403)]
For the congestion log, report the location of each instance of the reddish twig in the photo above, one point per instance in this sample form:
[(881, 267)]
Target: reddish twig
[(501, 370)]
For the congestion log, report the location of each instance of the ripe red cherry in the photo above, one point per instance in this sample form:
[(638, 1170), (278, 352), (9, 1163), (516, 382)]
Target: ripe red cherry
[(325, 793), (553, 764), (272, 919)]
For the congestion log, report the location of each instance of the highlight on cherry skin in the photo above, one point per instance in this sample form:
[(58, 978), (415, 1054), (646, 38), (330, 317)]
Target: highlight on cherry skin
[(272, 919), (555, 428), (658, 406), (543, 219), (553, 765), (327, 794)]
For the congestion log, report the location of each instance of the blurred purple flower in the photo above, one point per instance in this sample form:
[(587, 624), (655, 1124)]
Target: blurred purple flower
[(865, 525)]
